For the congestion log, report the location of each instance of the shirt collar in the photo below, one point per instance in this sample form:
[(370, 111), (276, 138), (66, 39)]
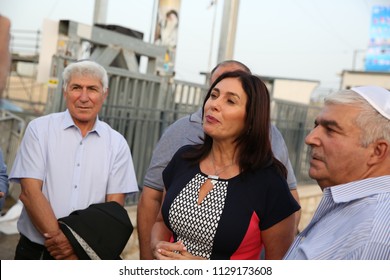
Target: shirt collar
[(68, 122), (359, 189), (197, 116)]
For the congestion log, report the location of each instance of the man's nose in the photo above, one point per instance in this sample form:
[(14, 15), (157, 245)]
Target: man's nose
[(84, 94), (312, 137)]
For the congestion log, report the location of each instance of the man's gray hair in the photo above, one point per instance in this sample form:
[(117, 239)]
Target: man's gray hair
[(373, 125), (87, 68)]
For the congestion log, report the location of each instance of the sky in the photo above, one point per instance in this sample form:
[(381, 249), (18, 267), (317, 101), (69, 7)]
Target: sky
[(299, 39)]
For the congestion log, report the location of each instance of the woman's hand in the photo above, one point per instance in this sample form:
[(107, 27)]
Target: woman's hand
[(173, 251)]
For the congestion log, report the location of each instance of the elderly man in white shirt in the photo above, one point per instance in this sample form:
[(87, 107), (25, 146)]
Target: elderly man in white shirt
[(68, 161)]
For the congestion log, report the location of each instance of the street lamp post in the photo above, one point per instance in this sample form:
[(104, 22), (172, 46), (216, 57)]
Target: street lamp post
[(213, 5)]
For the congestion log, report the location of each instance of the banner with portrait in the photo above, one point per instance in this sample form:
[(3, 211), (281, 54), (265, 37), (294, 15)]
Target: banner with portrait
[(166, 31)]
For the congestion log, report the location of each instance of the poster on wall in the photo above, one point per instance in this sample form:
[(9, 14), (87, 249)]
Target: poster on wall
[(166, 31), (378, 52)]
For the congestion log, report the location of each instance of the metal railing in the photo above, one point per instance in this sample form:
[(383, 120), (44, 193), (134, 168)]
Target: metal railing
[(26, 42), (295, 121), (11, 130), (11, 133)]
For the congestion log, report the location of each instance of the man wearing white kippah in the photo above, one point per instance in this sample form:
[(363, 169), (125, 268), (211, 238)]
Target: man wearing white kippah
[(350, 159)]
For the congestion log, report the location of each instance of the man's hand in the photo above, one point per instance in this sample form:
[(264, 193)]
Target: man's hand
[(59, 246)]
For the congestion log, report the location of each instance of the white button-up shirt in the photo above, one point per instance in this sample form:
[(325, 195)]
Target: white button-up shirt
[(75, 171)]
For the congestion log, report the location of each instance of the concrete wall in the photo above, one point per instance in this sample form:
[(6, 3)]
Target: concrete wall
[(359, 78), (298, 91)]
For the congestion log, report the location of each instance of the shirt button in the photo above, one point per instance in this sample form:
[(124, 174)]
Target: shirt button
[(75, 186), (78, 164)]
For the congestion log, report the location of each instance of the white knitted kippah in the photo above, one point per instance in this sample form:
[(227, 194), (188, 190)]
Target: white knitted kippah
[(378, 97)]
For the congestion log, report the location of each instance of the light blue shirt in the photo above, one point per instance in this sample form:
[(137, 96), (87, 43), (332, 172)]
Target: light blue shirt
[(9, 106), (352, 222), (75, 171)]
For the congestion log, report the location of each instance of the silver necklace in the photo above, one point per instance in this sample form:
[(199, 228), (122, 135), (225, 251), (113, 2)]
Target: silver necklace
[(217, 172)]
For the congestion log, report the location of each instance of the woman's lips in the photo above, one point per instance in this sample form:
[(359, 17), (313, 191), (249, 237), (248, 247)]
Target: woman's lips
[(211, 119)]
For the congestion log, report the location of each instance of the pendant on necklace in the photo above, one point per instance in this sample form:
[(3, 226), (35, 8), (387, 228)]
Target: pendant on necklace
[(213, 177)]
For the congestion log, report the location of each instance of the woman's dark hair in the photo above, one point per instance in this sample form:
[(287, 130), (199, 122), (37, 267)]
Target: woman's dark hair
[(254, 144)]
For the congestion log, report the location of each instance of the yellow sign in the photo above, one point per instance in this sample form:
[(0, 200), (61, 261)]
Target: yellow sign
[(53, 82)]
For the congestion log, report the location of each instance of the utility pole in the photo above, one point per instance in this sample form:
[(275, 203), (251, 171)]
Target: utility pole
[(214, 6), (228, 30), (100, 11), (355, 55), (154, 22)]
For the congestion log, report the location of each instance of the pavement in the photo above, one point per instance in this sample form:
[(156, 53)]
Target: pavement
[(310, 196)]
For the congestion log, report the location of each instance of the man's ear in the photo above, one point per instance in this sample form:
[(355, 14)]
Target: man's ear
[(380, 151)]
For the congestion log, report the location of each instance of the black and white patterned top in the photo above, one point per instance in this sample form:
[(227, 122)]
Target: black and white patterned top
[(227, 224), (195, 224)]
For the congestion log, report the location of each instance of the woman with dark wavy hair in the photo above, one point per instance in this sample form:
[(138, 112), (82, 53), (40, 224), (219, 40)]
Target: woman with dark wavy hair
[(228, 197)]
